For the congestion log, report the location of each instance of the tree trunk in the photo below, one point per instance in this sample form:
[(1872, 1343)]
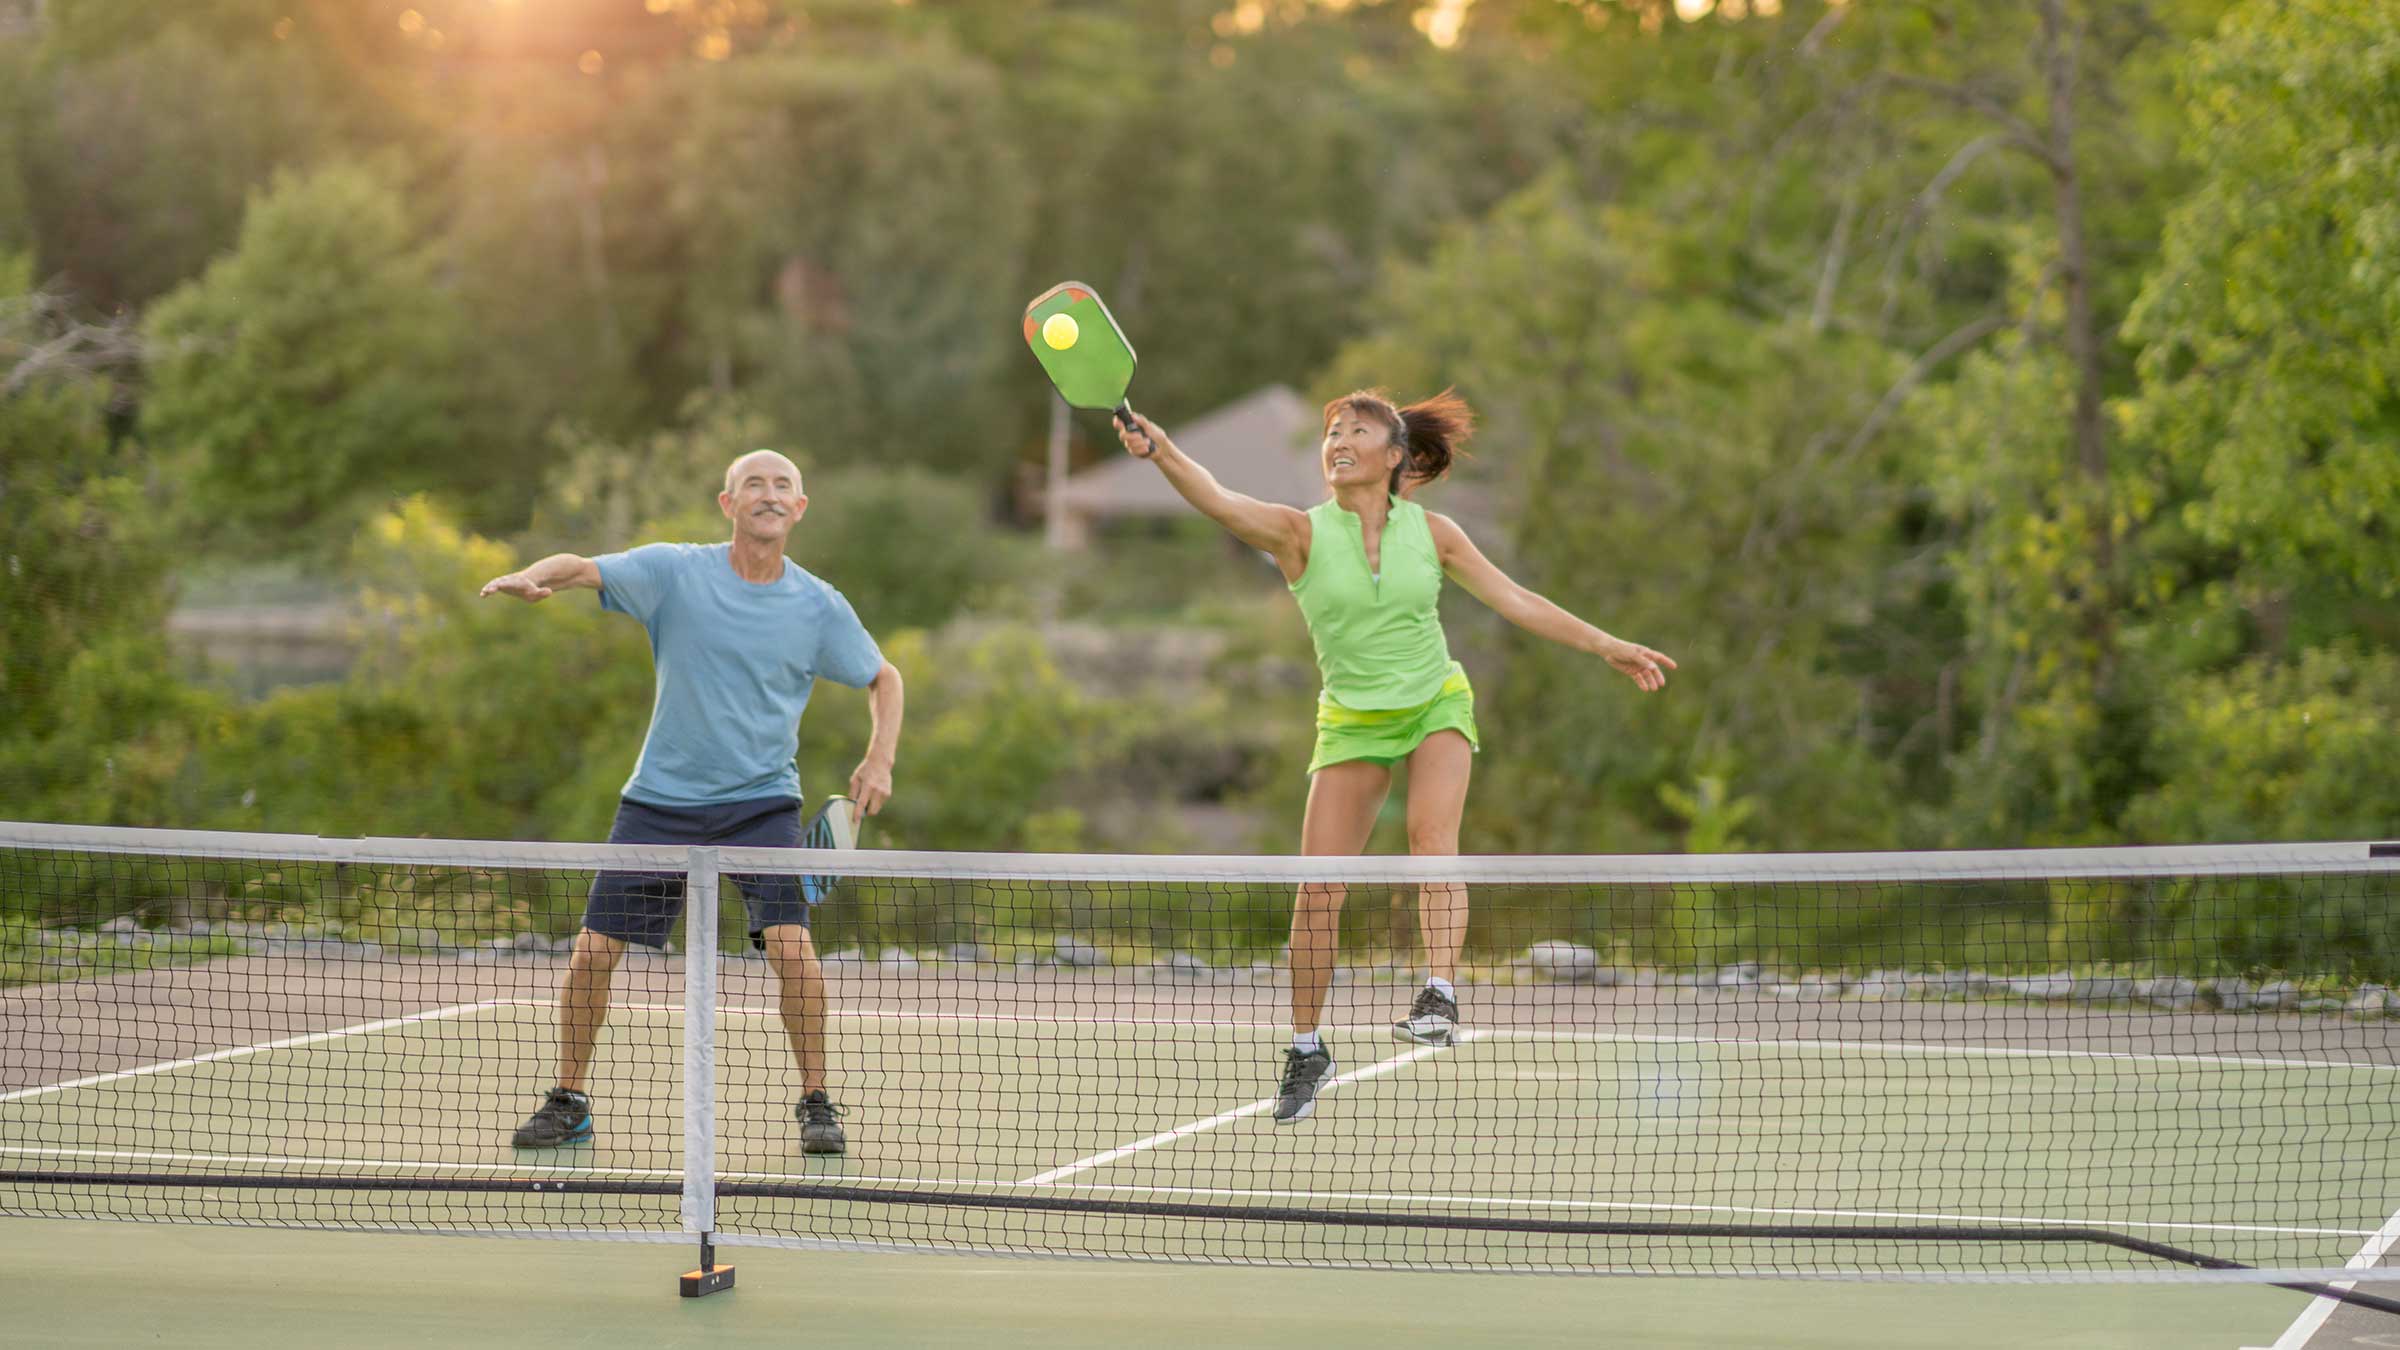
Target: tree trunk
[(2074, 257), (595, 255)]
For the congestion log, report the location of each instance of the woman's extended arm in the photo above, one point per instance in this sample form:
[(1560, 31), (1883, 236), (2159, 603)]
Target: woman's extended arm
[(1484, 580), (1276, 530)]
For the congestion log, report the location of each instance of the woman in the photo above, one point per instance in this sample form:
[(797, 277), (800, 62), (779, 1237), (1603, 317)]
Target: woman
[(1366, 566)]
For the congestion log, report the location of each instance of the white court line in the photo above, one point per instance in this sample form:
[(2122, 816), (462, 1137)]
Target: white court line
[(1222, 1192), (2379, 1243), (2304, 1327), (1381, 1066), (1524, 1034), (1917, 1048), (236, 1052), (921, 1015), (363, 1164)]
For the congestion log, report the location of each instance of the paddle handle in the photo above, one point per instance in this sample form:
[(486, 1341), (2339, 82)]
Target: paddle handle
[(1124, 413)]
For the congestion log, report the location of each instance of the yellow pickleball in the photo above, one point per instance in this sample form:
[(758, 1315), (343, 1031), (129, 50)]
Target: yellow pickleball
[(1059, 331)]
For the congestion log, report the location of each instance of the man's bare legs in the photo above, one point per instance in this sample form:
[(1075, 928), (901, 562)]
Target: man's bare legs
[(583, 1004), (565, 1116), (800, 999)]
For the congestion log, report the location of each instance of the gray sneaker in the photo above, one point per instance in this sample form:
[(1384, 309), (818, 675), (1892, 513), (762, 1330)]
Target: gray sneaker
[(1431, 1020), (820, 1124), (1304, 1071), (564, 1118)]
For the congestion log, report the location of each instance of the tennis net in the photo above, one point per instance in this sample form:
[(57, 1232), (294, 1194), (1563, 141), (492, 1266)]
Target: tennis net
[(2130, 1064)]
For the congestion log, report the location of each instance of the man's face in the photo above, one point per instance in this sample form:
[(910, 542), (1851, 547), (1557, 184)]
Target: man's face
[(762, 496)]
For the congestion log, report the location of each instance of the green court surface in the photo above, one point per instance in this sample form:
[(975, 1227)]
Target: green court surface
[(1512, 1124), (74, 1284), (1098, 1093)]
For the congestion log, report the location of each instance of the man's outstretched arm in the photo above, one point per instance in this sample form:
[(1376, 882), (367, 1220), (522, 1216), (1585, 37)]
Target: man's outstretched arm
[(559, 571), (871, 783)]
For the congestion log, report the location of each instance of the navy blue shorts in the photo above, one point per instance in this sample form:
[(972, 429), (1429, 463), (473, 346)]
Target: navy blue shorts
[(642, 907)]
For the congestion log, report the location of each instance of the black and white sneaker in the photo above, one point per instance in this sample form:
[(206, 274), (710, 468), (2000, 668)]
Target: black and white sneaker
[(1304, 1071), (563, 1118), (820, 1124), (1431, 1020)]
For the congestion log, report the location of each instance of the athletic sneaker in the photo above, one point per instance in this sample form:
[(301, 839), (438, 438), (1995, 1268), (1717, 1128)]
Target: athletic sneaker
[(1431, 1020), (564, 1118), (820, 1124), (1304, 1071)]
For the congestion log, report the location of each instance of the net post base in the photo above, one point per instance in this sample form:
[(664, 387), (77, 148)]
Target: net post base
[(701, 1283)]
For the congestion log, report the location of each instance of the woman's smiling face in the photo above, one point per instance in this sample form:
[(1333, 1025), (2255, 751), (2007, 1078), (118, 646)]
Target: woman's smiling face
[(1358, 448)]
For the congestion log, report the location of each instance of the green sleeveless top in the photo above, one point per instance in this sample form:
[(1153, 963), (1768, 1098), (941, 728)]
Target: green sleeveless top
[(1379, 639)]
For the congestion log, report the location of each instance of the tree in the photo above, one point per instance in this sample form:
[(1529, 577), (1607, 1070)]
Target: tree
[(2270, 327), (909, 548), (858, 218), (17, 113), (2058, 126), (99, 726), (1675, 473), (309, 372), (138, 164)]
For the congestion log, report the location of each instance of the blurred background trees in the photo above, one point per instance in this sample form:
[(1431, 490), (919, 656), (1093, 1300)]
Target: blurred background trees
[(1991, 406)]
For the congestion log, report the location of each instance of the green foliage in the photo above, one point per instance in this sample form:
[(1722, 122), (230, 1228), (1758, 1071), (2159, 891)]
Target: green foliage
[(2277, 750), (30, 954), (599, 493), (18, 105), (1768, 329), (99, 726), (469, 716), (908, 548), (1673, 469), (83, 32), (307, 373), (575, 276), (2271, 323), (996, 736), (138, 163), (2027, 581), (875, 200), (78, 533)]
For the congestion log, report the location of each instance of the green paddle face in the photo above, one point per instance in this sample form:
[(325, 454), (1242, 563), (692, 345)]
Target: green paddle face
[(1080, 346)]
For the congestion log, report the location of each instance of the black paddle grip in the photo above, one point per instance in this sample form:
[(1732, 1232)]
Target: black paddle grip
[(1124, 414)]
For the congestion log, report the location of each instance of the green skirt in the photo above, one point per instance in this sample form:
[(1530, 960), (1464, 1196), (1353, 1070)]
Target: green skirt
[(1388, 736)]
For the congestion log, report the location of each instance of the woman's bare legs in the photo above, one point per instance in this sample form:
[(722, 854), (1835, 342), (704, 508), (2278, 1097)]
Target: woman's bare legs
[(1343, 801)]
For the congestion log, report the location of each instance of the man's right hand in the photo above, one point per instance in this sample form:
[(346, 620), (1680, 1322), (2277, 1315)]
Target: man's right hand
[(518, 584)]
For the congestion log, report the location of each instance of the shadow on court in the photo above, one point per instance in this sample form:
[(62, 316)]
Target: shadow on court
[(106, 1284)]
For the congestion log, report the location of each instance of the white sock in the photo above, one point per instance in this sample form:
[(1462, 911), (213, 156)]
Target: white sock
[(1306, 1042), (1441, 986)]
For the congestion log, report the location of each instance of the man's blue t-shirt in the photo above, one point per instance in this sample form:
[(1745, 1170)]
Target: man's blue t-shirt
[(736, 660)]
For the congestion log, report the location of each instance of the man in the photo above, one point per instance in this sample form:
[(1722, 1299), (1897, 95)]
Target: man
[(739, 635)]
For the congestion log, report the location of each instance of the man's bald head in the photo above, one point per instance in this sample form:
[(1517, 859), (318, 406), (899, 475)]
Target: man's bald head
[(763, 461), (762, 497)]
